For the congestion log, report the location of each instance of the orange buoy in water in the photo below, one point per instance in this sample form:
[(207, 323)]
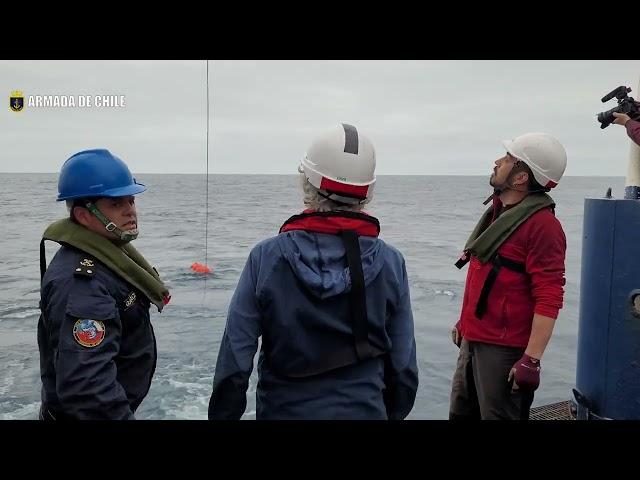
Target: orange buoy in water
[(200, 268)]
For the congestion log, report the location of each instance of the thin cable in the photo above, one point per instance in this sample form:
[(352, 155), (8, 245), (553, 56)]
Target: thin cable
[(206, 215)]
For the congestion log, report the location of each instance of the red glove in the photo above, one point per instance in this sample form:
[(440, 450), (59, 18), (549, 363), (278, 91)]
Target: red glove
[(526, 373)]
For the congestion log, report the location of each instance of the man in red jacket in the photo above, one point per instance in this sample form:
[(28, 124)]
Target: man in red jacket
[(514, 287)]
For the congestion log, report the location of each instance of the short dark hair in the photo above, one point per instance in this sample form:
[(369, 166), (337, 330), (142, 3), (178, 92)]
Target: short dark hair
[(532, 183), (80, 202)]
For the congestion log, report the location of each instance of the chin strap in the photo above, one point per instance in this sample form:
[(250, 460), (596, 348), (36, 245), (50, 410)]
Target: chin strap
[(496, 191), (124, 235)]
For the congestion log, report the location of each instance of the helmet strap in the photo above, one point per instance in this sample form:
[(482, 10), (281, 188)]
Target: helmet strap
[(499, 189), (124, 235), (496, 192)]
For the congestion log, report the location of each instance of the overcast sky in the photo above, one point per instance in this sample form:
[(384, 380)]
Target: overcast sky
[(424, 117)]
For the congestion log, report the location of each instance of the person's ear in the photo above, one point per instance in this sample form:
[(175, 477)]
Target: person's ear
[(82, 215), (521, 178)]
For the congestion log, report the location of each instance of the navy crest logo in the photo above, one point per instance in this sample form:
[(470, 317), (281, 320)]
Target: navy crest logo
[(89, 333), (130, 299), (87, 263), (16, 101)]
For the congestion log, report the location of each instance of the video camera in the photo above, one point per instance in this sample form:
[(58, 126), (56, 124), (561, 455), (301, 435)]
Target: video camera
[(626, 105)]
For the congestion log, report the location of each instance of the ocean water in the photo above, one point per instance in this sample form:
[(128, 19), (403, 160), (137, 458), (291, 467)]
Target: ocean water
[(428, 218)]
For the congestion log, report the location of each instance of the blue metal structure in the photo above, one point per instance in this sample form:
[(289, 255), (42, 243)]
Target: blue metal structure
[(608, 366)]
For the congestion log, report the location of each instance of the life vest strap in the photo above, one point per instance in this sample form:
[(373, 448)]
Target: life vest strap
[(357, 297), (498, 262)]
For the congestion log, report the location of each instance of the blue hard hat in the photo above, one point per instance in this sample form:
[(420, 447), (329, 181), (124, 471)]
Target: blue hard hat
[(96, 173)]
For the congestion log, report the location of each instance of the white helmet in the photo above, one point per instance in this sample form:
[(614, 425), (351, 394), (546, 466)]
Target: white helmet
[(341, 162), (544, 154)]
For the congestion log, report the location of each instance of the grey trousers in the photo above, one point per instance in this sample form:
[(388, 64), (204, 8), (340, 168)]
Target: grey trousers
[(480, 389)]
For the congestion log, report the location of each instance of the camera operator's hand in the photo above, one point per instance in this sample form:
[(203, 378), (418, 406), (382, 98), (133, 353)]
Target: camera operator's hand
[(621, 118)]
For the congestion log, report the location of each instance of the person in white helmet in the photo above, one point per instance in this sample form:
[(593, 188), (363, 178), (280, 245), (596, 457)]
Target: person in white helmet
[(514, 287), (330, 301)]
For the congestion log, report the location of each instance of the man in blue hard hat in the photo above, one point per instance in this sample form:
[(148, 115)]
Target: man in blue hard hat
[(96, 342)]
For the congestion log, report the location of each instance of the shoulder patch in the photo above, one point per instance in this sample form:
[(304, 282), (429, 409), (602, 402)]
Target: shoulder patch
[(89, 333), (86, 267)]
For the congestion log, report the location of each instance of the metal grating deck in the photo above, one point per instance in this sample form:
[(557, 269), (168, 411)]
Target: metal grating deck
[(553, 411)]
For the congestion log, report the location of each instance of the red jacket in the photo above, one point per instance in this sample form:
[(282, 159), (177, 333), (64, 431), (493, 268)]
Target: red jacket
[(633, 130), (539, 244)]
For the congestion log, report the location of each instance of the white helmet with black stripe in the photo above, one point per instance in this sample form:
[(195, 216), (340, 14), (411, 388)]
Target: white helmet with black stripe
[(341, 162)]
